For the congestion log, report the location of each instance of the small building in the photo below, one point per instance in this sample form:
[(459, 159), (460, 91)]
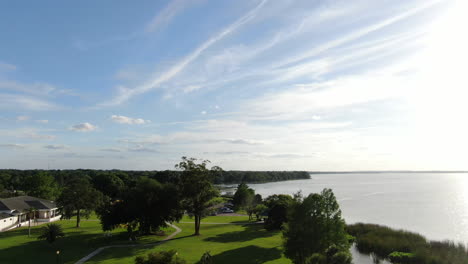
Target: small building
[(14, 211)]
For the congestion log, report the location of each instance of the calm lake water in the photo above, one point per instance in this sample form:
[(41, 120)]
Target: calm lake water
[(432, 204)]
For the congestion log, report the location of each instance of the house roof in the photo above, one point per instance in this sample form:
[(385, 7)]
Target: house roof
[(22, 203), (4, 215)]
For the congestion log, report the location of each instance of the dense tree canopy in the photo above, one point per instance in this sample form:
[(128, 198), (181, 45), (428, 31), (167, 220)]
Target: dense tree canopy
[(277, 205), (109, 184), (149, 205), (315, 231), (14, 180), (41, 185)]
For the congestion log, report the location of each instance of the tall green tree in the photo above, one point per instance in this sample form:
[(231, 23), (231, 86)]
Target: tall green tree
[(243, 196), (277, 208), (41, 185), (315, 231), (79, 198), (197, 187)]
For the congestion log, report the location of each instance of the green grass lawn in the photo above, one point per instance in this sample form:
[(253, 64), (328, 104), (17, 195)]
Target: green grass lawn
[(247, 244), (17, 247)]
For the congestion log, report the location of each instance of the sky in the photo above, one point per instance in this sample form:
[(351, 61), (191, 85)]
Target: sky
[(314, 85)]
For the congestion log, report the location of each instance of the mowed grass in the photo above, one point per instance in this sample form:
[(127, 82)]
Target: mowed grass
[(17, 247), (228, 243), (247, 244)]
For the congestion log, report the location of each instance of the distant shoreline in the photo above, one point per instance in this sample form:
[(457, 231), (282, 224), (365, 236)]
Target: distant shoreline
[(368, 172)]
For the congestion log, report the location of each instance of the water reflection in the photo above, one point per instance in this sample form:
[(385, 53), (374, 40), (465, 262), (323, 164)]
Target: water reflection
[(359, 258)]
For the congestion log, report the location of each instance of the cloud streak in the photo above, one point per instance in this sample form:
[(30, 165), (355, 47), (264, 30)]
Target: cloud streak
[(126, 93)]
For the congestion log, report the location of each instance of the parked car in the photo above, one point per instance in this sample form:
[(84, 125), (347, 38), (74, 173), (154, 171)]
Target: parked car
[(226, 210)]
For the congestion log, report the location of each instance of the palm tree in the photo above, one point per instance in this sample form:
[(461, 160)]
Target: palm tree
[(51, 232), (30, 212)]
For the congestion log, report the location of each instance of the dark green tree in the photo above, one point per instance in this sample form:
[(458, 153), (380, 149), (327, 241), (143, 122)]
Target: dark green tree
[(41, 185), (109, 184), (315, 231), (197, 188), (51, 232), (243, 196), (79, 198), (149, 204), (277, 205)]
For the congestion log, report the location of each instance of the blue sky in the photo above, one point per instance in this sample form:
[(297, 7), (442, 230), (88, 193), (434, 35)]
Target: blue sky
[(248, 84)]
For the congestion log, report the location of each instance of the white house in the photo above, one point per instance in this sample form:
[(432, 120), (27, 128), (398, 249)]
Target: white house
[(14, 211)]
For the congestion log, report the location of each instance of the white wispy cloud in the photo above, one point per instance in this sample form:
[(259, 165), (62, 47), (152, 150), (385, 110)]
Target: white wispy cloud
[(125, 94), (128, 120), (30, 88), (55, 147), (34, 135), (22, 118), (165, 16), (141, 148), (110, 150), (7, 67), (357, 34), (84, 127), (42, 121), (16, 101), (14, 146)]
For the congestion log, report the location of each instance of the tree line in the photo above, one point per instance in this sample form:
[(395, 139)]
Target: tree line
[(37, 182)]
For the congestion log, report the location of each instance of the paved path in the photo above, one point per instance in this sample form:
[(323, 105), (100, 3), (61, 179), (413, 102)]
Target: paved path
[(97, 251)]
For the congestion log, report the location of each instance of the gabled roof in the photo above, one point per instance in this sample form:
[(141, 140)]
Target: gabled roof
[(4, 215), (22, 203)]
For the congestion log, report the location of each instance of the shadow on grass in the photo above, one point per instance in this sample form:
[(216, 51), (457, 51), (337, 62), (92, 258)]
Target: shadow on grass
[(250, 232), (247, 255), (17, 247), (39, 251)]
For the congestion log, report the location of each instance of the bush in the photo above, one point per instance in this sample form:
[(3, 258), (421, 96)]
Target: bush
[(160, 257), (401, 257)]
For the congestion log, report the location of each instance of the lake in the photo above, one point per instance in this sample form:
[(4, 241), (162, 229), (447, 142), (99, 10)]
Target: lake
[(432, 204)]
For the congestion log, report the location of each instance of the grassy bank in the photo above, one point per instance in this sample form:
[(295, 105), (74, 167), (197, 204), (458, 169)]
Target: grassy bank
[(248, 244), (228, 243), (406, 247), (17, 247)]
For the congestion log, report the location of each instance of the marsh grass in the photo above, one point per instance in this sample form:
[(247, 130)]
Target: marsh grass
[(383, 241)]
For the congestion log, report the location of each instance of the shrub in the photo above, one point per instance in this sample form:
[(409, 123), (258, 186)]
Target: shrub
[(160, 257)]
